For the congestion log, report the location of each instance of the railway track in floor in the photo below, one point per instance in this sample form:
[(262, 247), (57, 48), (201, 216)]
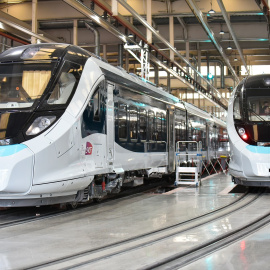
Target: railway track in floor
[(114, 252)]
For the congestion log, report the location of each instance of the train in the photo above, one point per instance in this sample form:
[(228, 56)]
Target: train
[(248, 129), (74, 128)]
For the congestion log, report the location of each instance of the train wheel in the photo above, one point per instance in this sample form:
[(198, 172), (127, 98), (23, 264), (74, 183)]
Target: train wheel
[(72, 205), (97, 200)]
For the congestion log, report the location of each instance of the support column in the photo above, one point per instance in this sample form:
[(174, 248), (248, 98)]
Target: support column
[(114, 8), (75, 32), (104, 49), (171, 30), (199, 59), (156, 78), (34, 21), (127, 61), (215, 75), (187, 53), (149, 20), (120, 55), (4, 42), (168, 82)]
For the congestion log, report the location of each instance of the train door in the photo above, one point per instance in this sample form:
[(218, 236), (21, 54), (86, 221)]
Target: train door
[(171, 139), (110, 126)]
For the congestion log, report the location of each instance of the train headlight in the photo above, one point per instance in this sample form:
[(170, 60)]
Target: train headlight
[(40, 124), (241, 131)]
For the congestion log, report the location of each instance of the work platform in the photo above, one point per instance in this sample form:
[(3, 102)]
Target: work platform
[(85, 231)]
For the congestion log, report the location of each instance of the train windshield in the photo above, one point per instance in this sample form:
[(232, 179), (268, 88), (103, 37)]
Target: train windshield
[(21, 84), (258, 105)]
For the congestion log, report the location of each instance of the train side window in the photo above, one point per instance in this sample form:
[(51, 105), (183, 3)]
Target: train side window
[(151, 126), (122, 121), (65, 84), (164, 127), (143, 125), (159, 127), (133, 122)]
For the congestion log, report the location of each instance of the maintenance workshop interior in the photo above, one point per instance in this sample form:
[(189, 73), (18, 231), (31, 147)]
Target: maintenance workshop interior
[(134, 134)]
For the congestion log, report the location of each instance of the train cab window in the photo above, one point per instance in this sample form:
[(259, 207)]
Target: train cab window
[(133, 122), (143, 125), (22, 84), (122, 121), (65, 84), (236, 108), (151, 126)]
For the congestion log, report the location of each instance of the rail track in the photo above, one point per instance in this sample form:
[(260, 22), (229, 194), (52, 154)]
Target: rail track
[(154, 240)]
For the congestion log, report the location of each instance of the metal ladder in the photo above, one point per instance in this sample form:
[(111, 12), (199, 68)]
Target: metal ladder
[(194, 173)]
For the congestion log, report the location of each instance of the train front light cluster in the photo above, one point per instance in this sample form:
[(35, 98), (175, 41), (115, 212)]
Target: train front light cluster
[(242, 133), (40, 124)]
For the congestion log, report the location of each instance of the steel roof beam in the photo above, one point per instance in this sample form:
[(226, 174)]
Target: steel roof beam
[(24, 27), (227, 20), (197, 12), (214, 96), (166, 42)]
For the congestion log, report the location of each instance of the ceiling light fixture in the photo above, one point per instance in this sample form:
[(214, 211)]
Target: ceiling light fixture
[(211, 11), (221, 32)]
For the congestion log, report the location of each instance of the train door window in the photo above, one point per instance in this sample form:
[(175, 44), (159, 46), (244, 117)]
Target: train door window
[(122, 121), (143, 125), (133, 123), (66, 84), (94, 115), (151, 125), (96, 106)]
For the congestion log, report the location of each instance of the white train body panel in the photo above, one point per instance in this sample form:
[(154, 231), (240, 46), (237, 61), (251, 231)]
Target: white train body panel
[(250, 155)]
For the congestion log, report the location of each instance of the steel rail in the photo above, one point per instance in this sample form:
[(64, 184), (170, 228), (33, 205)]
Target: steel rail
[(82, 258)]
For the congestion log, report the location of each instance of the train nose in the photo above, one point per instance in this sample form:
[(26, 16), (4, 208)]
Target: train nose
[(16, 168)]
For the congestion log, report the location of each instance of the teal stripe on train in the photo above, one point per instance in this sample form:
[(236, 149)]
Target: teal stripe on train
[(8, 150), (258, 149)]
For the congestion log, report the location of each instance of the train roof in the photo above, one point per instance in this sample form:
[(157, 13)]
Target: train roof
[(136, 83), (258, 81), (53, 51), (42, 51)]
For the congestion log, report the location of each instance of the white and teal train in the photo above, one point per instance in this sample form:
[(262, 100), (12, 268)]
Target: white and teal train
[(73, 127)]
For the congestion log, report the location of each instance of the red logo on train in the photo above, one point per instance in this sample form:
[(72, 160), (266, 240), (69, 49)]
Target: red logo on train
[(89, 148)]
